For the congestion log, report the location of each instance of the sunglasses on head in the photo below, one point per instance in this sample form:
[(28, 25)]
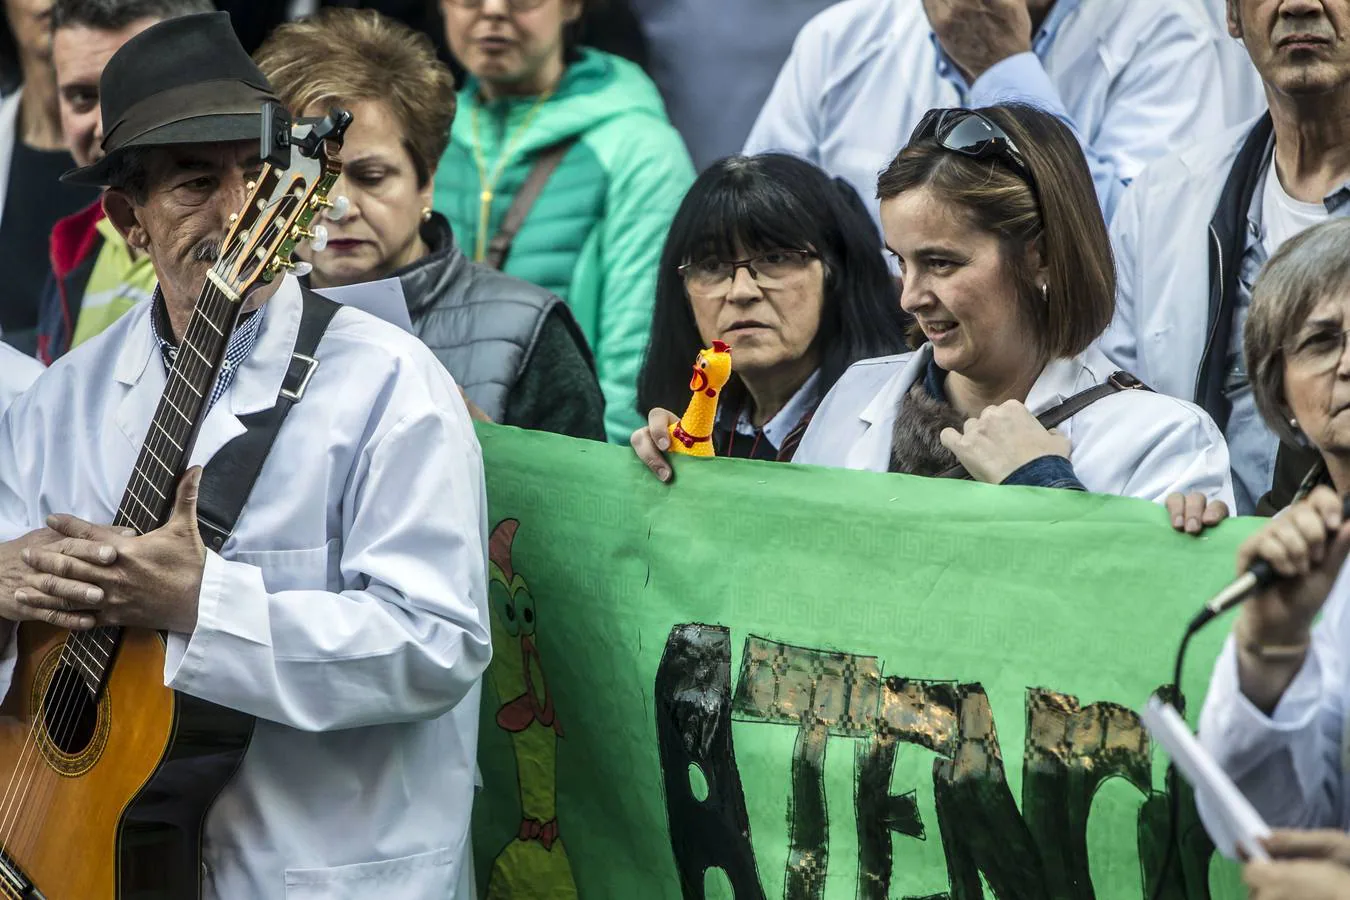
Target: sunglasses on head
[(969, 133)]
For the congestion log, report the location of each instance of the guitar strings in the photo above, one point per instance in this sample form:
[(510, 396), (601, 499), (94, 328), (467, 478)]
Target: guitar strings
[(65, 705), (30, 763), (70, 688), (66, 726)]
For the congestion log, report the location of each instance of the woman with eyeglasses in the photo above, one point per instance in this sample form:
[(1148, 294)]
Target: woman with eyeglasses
[(1275, 712), (1007, 269), (564, 171), (771, 257)]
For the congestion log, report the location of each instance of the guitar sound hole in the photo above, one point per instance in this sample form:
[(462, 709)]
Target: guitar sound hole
[(69, 711)]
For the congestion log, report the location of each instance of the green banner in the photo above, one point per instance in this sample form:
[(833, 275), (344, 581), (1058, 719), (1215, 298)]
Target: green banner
[(768, 681)]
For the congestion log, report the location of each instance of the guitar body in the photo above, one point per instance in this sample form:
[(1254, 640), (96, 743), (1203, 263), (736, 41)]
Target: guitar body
[(106, 775), (125, 780)]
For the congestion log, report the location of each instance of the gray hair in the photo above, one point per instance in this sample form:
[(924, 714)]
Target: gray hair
[(129, 172), (1305, 271), (114, 15)]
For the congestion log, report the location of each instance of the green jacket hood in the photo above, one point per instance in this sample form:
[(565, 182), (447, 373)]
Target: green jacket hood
[(595, 90)]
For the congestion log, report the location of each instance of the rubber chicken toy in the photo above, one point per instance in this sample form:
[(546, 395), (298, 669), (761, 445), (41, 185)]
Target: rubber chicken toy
[(692, 435)]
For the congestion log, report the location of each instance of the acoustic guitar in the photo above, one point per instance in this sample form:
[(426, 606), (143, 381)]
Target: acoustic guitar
[(106, 775)]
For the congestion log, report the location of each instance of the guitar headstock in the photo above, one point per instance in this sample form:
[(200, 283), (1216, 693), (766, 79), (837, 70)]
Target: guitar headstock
[(282, 204)]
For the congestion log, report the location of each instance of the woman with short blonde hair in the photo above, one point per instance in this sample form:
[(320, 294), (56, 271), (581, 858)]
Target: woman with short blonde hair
[(515, 349)]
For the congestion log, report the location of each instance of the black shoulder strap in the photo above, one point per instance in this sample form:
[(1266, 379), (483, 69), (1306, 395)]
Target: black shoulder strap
[(228, 478), (1119, 381), (1057, 415)]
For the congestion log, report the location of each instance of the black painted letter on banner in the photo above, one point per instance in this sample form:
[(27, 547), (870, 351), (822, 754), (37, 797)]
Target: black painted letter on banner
[(693, 726)]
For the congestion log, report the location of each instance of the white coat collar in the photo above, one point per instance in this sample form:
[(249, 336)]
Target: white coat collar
[(1057, 382), (255, 386)]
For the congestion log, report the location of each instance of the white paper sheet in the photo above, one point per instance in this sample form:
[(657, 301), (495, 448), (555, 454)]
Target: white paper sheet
[(1239, 817), (382, 299)]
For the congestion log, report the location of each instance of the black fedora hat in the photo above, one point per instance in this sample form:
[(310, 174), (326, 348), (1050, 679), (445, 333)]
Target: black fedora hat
[(186, 80)]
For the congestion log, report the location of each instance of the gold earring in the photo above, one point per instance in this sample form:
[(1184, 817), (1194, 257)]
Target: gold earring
[(426, 214)]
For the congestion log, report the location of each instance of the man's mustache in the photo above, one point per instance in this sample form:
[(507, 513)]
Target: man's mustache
[(1313, 27), (207, 250)]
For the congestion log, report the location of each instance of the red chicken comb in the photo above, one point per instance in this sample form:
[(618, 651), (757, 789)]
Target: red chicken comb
[(719, 347)]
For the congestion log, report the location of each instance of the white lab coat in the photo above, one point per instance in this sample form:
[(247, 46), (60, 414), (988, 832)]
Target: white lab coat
[(1138, 78), (1133, 443), (1162, 244), (347, 611), (1291, 764), (17, 372)]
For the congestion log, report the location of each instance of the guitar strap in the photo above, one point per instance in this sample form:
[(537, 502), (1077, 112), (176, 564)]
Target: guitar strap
[(229, 477)]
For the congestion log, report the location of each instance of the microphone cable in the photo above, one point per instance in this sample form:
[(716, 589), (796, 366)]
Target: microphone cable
[(1260, 574), (1170, 854)]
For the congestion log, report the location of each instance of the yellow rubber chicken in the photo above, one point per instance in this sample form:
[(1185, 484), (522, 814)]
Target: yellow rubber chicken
[(692, 435)]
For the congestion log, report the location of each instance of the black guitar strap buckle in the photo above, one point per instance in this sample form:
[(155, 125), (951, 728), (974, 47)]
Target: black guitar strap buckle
[(297, 378)]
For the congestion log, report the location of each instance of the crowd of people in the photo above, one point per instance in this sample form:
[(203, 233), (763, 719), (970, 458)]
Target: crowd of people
[(1092, 245)]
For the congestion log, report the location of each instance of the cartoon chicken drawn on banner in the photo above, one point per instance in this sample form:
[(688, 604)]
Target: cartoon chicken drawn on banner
[(534, 864)]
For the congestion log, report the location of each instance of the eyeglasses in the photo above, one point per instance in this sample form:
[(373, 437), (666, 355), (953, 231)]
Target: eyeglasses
[(1318, 352), (515, 6), (969, 133), (767, 269)]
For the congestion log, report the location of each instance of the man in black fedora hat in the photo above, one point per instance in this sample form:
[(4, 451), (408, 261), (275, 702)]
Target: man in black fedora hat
[(346, 609)]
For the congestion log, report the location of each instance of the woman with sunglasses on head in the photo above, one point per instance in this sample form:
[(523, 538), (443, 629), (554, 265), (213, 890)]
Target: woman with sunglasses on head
[(564, 171), (1007, 269), (771, 257)]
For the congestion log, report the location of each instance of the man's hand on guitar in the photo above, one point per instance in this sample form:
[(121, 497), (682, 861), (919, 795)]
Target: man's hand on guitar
[(13, 574), (109, 577)]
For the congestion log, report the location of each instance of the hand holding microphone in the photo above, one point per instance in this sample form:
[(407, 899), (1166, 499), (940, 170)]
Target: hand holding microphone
[(1303, 549)]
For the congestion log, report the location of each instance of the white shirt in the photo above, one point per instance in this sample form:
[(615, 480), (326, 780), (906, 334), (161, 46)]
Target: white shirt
[(1284, 217), (1291, 764), (1134, 79), (347, 611), (17, 372), (1132, 443)]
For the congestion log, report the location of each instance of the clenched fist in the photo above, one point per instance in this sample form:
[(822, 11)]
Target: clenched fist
[(978, 34), (1002, 440)]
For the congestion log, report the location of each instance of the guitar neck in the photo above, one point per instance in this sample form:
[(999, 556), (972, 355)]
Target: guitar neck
[(148, 499)]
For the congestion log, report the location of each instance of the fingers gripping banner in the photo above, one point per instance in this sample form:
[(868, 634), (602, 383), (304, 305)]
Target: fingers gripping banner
[(768, 681)]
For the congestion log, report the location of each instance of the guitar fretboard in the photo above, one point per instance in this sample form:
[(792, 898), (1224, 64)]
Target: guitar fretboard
[(164, 455)]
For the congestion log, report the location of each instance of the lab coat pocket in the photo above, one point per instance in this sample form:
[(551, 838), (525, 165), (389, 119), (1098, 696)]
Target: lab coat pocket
[(428, 875), (289, 570)]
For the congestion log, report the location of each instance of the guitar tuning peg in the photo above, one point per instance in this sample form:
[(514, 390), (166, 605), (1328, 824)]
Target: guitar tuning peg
[(302, 269), (338, 209), (318, 239)]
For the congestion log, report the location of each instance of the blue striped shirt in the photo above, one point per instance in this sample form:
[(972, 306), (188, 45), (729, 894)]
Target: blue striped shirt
[(242, 342)]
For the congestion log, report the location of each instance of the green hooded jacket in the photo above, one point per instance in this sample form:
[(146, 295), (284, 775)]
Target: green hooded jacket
[(594, 235)]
